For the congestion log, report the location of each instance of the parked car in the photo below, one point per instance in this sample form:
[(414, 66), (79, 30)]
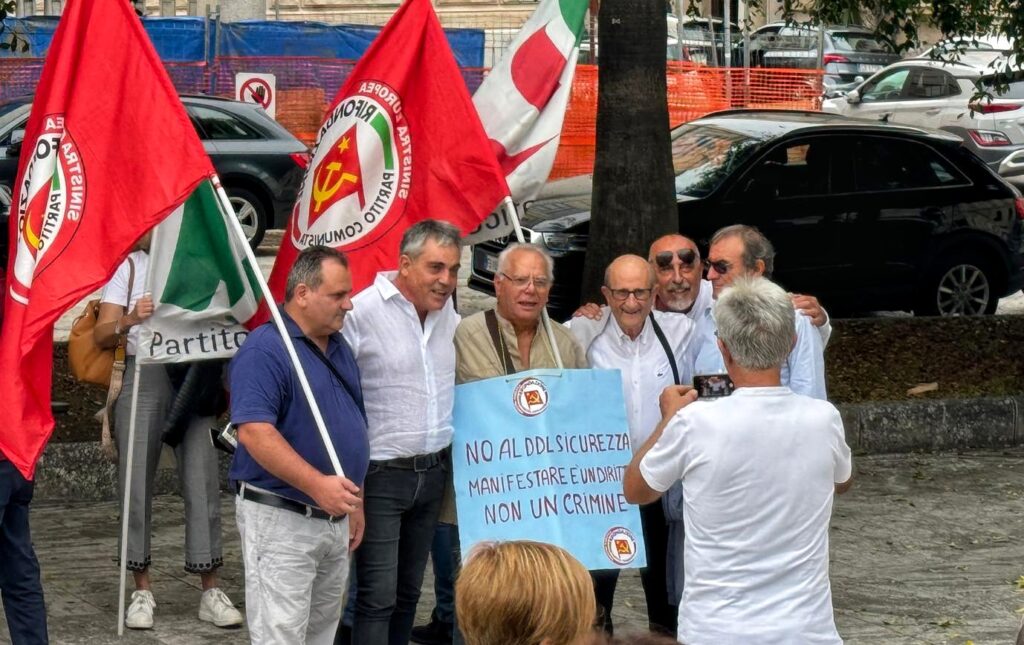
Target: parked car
[(698, 40), (259, 162), (938, 94), (849, 51), (866, 216)]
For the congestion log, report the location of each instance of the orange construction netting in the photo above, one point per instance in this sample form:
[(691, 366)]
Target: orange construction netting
[(693, 91)]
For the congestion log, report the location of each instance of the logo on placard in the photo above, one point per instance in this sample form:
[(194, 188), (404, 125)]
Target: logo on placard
[(51, 199), (358, 181), (620, 545), (530, 397)]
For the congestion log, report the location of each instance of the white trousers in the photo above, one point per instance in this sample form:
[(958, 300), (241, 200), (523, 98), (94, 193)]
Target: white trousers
[(296, 572)]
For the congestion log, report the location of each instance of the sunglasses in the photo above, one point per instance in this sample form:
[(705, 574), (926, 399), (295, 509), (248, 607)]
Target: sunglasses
[(686, 257), (720, 266), (623, 294)]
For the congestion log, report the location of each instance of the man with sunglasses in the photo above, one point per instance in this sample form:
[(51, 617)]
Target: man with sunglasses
[(742, 251), (649, 348)]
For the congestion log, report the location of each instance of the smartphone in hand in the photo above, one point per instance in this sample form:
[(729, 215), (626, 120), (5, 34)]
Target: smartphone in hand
[(712, 386)]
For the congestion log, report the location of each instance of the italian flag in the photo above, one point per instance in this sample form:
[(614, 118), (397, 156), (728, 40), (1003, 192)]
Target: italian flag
[(522, 101), (203, 285)]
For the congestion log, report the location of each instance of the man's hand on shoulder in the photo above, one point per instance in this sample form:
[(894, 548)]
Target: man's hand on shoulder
[(810, 307), (590, 310), (337, 495), (674, 398)]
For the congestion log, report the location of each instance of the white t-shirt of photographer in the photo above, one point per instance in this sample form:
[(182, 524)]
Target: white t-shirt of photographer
[(758, 471)]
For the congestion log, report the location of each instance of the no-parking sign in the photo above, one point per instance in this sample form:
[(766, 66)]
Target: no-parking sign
[(260, 89)]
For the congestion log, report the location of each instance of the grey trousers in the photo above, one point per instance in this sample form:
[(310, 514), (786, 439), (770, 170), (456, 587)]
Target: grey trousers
[(197, 471)]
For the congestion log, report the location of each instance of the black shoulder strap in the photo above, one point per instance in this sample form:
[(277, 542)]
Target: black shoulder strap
[(357, 397), (668, 350), (491, 318)]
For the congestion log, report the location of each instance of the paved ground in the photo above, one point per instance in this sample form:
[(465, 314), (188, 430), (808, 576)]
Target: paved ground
[(925, 549)]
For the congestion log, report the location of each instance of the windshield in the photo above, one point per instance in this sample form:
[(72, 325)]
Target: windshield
[(856, 41), (704, 155)]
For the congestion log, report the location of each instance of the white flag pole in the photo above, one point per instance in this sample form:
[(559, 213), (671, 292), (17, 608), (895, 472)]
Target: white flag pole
[(275, 314), (513, 216)]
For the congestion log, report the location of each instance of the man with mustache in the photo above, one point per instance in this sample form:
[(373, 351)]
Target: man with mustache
[(401, 331)]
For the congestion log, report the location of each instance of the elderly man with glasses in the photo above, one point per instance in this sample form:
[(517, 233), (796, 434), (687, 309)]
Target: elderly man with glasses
[(510, 338), (649, 348)]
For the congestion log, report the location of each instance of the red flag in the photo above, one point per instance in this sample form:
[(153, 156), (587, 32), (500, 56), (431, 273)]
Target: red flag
[(417, 151), (111, 150)]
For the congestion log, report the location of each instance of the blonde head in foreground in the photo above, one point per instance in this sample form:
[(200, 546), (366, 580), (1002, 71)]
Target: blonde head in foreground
[(523, 593)]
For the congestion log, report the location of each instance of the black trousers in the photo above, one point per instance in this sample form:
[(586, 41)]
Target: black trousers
[(661, 616), (19, 569)]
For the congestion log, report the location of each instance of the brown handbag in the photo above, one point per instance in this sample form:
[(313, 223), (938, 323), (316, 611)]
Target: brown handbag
[(89, 362)]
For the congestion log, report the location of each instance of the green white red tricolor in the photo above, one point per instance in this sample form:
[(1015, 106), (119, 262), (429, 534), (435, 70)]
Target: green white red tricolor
[(522, 101)]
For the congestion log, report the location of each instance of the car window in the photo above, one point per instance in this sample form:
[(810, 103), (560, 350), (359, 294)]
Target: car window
[(926, 83), (888, 87), (796, 169), (1015, 90), (883, 164), (857, 41), (703, 156), (218, 125)]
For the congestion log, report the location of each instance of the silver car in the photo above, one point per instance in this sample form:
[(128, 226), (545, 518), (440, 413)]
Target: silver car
[(940, 95)]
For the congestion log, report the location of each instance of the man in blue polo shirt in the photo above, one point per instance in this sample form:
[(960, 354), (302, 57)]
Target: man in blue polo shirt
[(297, 520)]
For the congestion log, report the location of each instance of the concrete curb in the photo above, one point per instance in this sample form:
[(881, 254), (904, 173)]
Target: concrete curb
[(79, 471)]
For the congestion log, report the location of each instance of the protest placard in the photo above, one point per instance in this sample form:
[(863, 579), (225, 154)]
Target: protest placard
[(540, 455)]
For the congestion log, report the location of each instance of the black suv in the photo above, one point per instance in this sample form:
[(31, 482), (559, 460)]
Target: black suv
[(864, 215), (259, 162)]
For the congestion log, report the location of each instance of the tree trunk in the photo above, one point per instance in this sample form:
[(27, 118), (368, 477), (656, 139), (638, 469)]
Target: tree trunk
[(633, 193)]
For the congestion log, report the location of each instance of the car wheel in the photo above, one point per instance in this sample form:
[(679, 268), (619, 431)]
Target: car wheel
[(251, 213), (960, 286)]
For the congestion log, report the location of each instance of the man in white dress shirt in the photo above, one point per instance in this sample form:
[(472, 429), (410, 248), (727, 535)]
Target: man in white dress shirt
[(759, 469), (649, 349), (401, 330), (742, 250)]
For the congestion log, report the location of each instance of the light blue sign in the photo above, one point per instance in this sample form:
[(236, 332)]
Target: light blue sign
[(540, 455)]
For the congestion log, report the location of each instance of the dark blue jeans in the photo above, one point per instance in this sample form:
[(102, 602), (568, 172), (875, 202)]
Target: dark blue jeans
[(444, 573), (19, 570), (401, 507)]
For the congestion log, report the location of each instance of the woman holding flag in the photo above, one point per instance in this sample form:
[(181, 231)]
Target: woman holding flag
[(124, 305)]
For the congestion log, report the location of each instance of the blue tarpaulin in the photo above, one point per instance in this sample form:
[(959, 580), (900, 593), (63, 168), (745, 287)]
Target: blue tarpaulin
[(320, 40), (181, 39)]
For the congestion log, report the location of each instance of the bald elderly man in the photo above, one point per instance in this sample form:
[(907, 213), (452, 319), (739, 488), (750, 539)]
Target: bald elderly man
[(650, 350)]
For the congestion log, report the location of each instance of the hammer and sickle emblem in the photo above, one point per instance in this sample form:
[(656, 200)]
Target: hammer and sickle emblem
[(324, 186)]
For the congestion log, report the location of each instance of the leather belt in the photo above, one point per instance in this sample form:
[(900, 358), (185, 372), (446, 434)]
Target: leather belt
[(419, 463), (269, 499)]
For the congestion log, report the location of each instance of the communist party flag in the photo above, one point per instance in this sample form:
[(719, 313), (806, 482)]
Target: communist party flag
[(400, 143), (108, 152)]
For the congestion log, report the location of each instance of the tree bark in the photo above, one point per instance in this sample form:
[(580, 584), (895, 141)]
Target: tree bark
[(633, 200)]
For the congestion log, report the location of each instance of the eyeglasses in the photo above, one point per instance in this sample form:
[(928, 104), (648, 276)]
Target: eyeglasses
[(623, 294), (664, 259), (720, 266), (522, 282)]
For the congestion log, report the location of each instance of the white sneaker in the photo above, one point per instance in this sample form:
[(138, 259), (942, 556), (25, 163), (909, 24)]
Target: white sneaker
[(140, 612), (215, 607)]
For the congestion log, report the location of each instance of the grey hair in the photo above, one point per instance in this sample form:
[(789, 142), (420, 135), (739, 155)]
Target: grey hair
[(416, 236), (308, 268), (756, 321), (755, 246), (525, 246)]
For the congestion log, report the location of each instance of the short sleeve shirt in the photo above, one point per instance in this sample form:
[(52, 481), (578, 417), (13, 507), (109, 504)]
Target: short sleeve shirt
[(266, 389), (759, 470), (116, 291)]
